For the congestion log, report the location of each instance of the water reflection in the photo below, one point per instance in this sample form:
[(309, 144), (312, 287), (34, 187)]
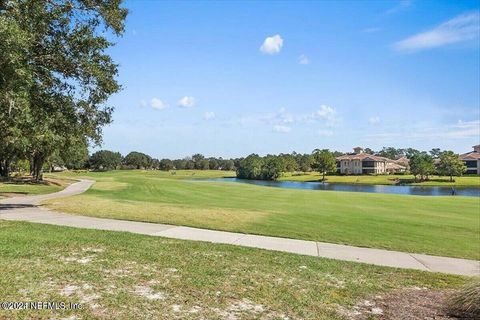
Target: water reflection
[(409, 190)]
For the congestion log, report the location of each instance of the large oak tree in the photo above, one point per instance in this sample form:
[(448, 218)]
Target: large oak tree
[(56, 76)]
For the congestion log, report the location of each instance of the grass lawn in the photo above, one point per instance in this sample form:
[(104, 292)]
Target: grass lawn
[(446, 226), (470, 180), (116, 275), (24, 187)]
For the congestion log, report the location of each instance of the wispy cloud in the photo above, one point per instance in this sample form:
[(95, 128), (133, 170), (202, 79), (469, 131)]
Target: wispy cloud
[(374, 120), (371, 30), (462, 28), (303, 59), (283, 121), (459, 130), (325, 133), (402, 5), (328, 114), (209, 115), (186, 102), (272, 45), (281, 129)]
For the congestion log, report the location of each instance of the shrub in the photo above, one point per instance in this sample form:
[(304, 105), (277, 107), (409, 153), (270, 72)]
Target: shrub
[(465, 303)]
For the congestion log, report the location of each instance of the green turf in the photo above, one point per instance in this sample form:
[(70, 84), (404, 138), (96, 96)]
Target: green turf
[(469, 180), (446, 226), (116, 275)]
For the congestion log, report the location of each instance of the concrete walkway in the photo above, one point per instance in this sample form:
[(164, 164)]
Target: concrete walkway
[(25, 209)]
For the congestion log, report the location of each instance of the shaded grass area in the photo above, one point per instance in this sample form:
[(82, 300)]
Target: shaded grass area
[(25, 186), (446, 226), (469, 180), (116, 275)]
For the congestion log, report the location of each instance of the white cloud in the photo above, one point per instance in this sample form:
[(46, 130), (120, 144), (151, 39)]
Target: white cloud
[(374, 120), (371, 30), (462, 28), (325, 112), (281, 129), (209, 115), (459, 130), (284, 120), (402, 5), (328, 114), (325, 133), (158, 104), (186, 102), (272, 45), (303, 59), (464, 129)]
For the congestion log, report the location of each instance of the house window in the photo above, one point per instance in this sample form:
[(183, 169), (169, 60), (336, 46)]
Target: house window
[(368, 164), (471, 163)]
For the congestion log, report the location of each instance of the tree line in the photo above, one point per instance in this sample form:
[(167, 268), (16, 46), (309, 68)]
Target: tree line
[(270, 167), (423, 164), (108, 160)]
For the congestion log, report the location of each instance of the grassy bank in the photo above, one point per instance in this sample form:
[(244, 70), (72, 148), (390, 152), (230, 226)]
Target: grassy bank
[(19, 187), (446, 226), (470, 180), (117, 275)]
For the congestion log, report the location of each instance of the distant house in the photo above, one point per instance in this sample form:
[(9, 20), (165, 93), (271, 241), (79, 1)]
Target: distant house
[(360, 162), (472, 160), (393, 166)]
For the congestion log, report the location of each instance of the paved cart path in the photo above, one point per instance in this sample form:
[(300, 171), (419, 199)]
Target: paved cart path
[(27, 209)]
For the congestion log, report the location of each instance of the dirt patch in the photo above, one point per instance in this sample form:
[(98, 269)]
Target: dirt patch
[(13, 194), (412, 303), (149, 293), (29, 180)]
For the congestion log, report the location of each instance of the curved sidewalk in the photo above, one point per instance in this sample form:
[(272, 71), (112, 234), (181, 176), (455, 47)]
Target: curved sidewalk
[(25, 209)]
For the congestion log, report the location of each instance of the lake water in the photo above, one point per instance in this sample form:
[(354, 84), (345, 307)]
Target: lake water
[(403, 189)]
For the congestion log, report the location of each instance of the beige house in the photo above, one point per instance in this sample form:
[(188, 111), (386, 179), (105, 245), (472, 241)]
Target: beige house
[(360, 162), (472, 160)]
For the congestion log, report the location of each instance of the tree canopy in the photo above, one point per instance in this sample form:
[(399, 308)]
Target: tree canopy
[(451, 165), (105, 160), (137, 160), (421, 165), (56, 75), (324, 162)]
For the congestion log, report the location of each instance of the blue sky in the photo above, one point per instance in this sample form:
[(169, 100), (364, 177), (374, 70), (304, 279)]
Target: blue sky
[(233, 78)]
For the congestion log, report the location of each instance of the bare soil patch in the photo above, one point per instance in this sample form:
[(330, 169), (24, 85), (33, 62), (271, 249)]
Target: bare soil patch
[(412, 304)]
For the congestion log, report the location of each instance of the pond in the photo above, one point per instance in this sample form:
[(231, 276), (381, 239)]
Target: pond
[(403, 189)]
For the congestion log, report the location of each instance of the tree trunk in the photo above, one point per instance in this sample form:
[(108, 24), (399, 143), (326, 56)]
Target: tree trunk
[(31, 166), (323, 177), (37, 167), (5, 168)]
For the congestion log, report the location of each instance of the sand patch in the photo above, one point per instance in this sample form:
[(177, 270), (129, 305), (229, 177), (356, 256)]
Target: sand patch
[(68, 290), (149, 293)]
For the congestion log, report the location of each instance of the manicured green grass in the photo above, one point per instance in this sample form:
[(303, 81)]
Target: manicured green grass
[(470, 180), (116, 275), (446, 226), (23, 187)]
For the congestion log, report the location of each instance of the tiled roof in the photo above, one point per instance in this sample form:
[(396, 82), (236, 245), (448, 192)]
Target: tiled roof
[(394, 166), (473, 155), (361, 157), (403, 161)]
